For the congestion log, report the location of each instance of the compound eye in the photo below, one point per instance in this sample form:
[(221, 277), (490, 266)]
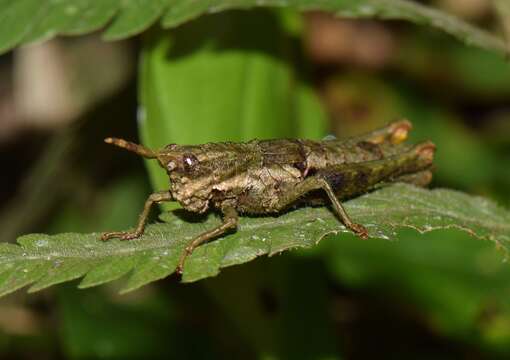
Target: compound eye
[(189, 161)]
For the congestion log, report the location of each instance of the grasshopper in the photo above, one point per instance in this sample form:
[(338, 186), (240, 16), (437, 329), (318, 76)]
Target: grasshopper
[(269, 176)]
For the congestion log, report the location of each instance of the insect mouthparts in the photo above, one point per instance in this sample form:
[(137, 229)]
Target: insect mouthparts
[(171, 165)]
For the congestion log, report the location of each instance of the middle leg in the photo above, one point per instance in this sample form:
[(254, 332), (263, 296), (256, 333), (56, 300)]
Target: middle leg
[(318, 183), (230, 219)]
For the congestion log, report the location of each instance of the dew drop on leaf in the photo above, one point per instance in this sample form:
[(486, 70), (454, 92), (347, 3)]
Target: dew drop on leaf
[(41, 243)]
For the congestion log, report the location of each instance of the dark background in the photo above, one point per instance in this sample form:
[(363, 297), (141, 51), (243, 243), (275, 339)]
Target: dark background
[(438, 295)]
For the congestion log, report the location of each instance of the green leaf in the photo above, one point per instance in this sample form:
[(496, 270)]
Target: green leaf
[(449, 278), (95, 326), (25, 21), (44, 260), (135, 17), (297, 285)]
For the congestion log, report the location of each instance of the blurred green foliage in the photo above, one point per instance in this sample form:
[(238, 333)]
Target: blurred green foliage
[(440, 295)]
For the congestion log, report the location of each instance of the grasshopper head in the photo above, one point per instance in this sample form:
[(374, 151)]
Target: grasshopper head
[(212, 160), (188, 184), (195, 171), (180, 160)]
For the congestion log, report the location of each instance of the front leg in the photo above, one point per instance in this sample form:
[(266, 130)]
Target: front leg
[(230, 219), (156, 197), (318, 183)]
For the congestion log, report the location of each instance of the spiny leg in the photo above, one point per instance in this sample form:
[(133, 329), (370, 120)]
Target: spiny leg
[(156, 197), (230, 219), (317, 183)]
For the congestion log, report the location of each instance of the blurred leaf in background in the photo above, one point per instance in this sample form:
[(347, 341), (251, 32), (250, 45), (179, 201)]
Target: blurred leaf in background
[(239, 75)]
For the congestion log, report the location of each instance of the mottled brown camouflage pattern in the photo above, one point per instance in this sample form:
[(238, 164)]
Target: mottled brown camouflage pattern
[(252, 176), (268, 176)]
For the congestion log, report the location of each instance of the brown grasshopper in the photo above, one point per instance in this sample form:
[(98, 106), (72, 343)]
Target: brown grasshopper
[(269, 176)]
